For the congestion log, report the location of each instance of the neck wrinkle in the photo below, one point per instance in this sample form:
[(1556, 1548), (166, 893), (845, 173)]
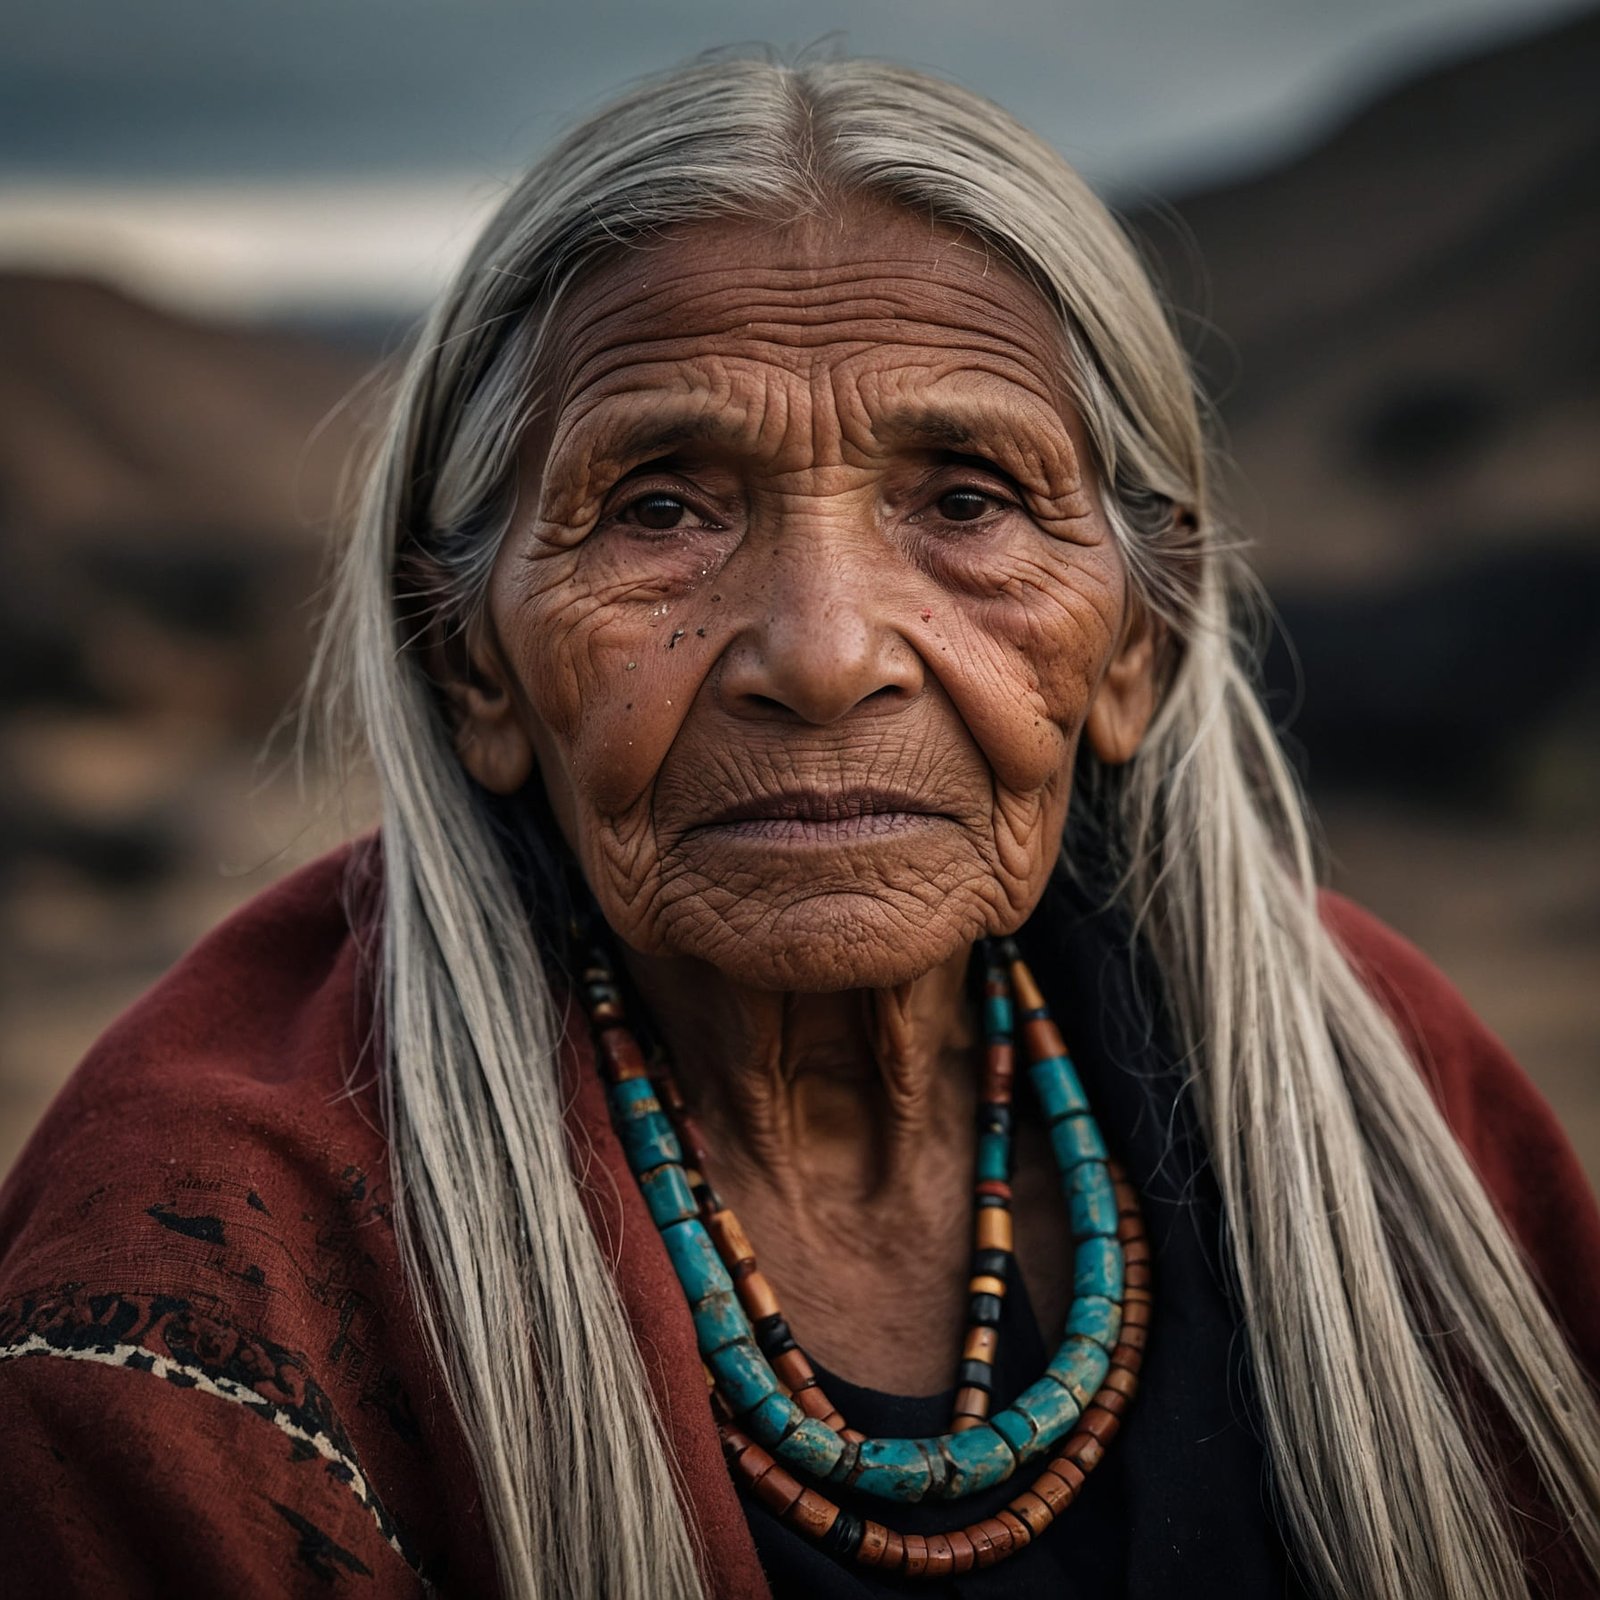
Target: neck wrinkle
[(853, 1091)]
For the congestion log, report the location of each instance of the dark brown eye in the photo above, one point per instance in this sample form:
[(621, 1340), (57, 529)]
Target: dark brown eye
[(659, 511), (963, 505)]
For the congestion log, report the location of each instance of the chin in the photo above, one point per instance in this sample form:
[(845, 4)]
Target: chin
[(830, 940)]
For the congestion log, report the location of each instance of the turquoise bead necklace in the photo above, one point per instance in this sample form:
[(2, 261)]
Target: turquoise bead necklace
[(774, 1418)]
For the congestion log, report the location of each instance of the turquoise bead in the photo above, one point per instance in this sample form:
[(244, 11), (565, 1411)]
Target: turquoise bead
[(631, 1092), (648, 1139), (666, 1192), (1055, 1081), (719, 1319), (1076, 1139), (994, 1157), (894, 1469), (1094, 1317), (742, 1375), (696, 1262), (1051, 1410), (981, 1458), (812, 1447), (1017, 1431), (1091, 1201), (998, 1008), (772, 1420), (1097, 1269), (1080, 1367)]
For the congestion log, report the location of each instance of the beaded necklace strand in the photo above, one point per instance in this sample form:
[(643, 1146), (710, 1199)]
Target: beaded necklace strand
[(772, 1414)]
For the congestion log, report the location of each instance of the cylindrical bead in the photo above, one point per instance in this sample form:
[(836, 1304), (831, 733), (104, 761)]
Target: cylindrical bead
[(1000, 1541), (1099, 1424), (1021, 1533), (1053, 1488), (971, 1402), (874, 1542), (811, 1514), (756, 1295), (1043, 1039), (941, 1558), (993, 1228), (1025, 991), (731, 1241), (1033, 1511), (981, 1344), (776, 1490), (621, 1052), (961, 1548)]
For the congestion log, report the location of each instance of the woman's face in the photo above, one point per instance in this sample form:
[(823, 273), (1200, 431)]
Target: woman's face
[(808, 601)]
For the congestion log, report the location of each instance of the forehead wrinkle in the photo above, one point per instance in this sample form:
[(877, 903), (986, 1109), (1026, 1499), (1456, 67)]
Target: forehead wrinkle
[(1000, 314)]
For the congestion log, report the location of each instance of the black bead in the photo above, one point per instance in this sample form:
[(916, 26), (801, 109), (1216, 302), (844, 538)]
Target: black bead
[(843, 1539), (990, 1263), (985, 1312), (772, 1334), (977, 1374), (994, 1117)]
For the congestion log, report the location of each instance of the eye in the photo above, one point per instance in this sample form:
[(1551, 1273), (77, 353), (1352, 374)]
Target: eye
[(964, 505), (658, 512)]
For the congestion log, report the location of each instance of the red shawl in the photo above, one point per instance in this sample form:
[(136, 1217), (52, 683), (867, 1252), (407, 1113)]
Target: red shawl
[(211, 1381)]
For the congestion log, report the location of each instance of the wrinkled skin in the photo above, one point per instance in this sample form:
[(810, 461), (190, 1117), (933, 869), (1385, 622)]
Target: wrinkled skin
[(808, 605)]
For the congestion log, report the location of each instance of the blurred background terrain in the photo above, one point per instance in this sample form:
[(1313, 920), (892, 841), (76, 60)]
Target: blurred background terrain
[(1382, 241)]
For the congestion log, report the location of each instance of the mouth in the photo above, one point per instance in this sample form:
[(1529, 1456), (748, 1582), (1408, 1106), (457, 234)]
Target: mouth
[(823, 816)]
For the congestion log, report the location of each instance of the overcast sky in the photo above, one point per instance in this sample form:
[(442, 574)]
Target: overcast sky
[(248, 150)]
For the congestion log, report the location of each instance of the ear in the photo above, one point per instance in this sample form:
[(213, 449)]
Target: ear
[(1126, 699), (491, 737)]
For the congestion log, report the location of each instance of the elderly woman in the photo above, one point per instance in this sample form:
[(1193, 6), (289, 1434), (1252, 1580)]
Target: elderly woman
[(826, 818)]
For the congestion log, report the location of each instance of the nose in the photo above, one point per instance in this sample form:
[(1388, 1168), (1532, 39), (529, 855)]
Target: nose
[(823, 640)]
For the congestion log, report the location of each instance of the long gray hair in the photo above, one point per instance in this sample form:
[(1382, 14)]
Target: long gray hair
[(1354, 1222)]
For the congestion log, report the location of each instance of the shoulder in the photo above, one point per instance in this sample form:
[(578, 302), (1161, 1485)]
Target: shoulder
[(245, 1054), (208, 1365), (1505, 1125)]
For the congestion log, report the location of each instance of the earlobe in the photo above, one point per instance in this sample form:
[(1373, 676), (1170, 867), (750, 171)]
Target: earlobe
[(490, 739), (1125, 702)]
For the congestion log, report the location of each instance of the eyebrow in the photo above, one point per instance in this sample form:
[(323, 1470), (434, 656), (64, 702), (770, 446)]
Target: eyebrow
[(640, 440)]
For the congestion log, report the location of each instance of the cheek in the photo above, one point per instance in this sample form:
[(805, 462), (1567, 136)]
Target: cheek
[(1022, 661), (607, 671)]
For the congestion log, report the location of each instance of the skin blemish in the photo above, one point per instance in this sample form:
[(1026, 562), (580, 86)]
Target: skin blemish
[(631, 666), (927, 615), (677, 634), (699, 633)]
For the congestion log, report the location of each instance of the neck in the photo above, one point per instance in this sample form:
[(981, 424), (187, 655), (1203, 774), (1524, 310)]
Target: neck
[(854, 1090)]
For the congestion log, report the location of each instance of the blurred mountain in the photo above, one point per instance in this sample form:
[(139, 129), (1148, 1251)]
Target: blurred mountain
[(1400, 328), (165, 492)]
